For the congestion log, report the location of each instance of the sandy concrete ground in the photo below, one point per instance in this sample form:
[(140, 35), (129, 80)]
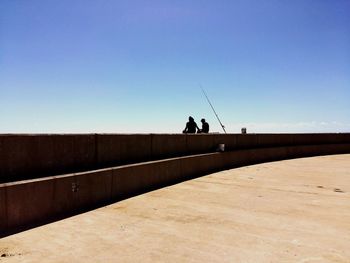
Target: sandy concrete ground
[(289, 211)]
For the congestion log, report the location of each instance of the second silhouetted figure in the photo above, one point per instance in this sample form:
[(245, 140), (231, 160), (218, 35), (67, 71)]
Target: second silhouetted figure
[(205, 126)]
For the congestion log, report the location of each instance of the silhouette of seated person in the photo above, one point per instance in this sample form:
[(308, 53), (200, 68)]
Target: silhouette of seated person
[(205, 126), (191, 126)]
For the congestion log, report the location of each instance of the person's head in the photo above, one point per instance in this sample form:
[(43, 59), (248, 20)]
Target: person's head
[(203, 120), (190, 119)]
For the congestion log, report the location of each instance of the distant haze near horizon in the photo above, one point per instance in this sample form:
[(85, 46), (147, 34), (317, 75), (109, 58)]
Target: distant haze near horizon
[(110, 66)]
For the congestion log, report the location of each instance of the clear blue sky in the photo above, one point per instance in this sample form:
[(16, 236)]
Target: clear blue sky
[(135, 66)]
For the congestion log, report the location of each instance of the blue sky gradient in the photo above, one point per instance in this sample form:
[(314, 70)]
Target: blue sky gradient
[(136, 66)]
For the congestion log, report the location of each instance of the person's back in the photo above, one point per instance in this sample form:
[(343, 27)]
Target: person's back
[(191, 126), (205, 126)]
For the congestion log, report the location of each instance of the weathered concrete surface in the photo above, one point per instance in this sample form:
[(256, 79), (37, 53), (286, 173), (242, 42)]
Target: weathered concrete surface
[(29, 156), (20, 208), (122, 148), (93, 188), (33, 156), (3, 208), (34, 202), (289, 211), (168, 145)]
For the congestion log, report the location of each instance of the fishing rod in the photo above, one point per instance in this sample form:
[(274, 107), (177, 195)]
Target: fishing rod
[(205, 94)]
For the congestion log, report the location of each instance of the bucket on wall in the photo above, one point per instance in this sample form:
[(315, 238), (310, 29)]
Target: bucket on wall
[(221, 147)]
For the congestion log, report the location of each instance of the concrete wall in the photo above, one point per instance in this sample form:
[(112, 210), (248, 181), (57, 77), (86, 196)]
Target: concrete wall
[(33, 156), (33, 202)]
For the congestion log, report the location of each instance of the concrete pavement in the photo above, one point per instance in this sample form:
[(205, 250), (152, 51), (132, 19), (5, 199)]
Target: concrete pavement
[(289, 211)]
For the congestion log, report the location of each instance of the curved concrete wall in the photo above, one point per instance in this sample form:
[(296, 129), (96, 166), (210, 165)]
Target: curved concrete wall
[(34, 156), (33, 202)]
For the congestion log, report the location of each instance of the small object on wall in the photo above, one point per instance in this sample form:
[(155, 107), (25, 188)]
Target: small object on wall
[(221, 147), (75, 187), (244, 130)]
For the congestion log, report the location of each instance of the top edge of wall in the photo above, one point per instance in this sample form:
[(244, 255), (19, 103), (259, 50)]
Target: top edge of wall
[(214, 133)]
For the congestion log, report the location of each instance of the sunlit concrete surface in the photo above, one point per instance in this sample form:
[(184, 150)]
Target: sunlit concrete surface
[(289, 211)]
